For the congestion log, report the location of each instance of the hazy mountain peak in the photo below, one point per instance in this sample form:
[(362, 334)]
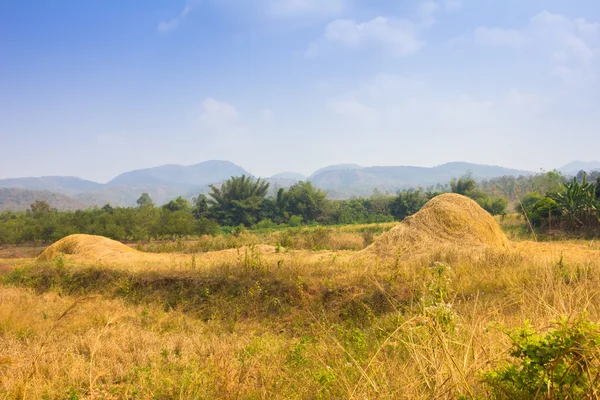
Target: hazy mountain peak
[(574, 167), (289, 176), (201, 174), (337, 167)]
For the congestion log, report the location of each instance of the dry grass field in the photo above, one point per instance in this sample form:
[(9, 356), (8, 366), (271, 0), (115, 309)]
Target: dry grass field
[(416, 315)]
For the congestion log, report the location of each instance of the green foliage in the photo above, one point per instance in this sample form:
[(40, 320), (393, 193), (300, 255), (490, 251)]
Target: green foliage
[(302, 199), (407, 203), (295, 221), (528, 201), (145, 201), (200, 206), (208, 227), (562, 363), (543, 212), (573, 208), (40, 207), (435, 303), (238, 200), (466, 186), (179, 204), (578, 203)]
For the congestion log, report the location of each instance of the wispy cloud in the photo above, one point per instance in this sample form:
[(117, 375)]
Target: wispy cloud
[(218, 114), (400, 36), (396, 35), (571, 45), (285, 8), (172, 24)]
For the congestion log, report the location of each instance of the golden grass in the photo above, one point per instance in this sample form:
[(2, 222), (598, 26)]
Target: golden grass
[(350, 330), (256, 323)]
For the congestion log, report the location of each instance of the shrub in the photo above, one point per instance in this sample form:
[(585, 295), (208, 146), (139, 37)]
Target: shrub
[(560, 364)]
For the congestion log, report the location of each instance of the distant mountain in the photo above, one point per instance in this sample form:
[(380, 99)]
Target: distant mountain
[(338, 167), (127, 195), (181, 176), (15, 199), (169, 181), (67, 185), (361, 182), (574, 167), (293, 176)]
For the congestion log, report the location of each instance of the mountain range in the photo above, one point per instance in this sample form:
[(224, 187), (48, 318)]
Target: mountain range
[(166, 182)]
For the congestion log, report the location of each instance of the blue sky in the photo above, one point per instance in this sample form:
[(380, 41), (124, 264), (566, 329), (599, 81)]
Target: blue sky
[(96, 88)]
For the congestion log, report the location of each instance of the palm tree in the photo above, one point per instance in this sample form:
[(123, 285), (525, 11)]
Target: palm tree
[(238, 200)]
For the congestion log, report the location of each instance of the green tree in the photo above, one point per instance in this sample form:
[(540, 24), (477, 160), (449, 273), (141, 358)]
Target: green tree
[(238, 200), (40, 207), (305, 200), (465, 185), (145, 200), (200, 206), (179, 204), (407, 203), (177, 223)]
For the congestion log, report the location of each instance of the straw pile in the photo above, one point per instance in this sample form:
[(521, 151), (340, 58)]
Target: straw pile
[(446, 220), (90, 248)]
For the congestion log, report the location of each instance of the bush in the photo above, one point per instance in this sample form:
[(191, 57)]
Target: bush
[(208, 227), (560, 364), (295, 221)]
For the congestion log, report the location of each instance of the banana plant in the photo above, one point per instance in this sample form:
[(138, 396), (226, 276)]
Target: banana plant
[(578, 202)]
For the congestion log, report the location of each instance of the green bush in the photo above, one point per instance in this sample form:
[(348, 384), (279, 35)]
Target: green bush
[(562, 363)]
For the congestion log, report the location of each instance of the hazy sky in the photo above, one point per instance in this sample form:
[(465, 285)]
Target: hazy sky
[(95, 88)]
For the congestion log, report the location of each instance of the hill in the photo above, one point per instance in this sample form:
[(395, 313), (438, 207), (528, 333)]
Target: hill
[(574, 167), (15, 199), (338, 167), (166, 182), (67, 185), (181, 176), (342, 183), (292, 176), (127, 195)]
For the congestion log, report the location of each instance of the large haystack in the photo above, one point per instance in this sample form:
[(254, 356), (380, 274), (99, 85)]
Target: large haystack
[(90, 248), (447, 220)]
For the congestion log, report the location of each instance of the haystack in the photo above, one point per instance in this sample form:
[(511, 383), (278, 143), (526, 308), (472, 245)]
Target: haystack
[(90, 248), (94, 250), (446, 220)]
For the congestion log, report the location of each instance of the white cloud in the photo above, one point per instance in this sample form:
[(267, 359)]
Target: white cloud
[(172, 24), (572, 45), (286, 8), (218, 114), (396, 35), (400, 36)]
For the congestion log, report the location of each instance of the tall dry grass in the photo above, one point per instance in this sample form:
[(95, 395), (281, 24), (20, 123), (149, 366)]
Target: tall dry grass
[(299, 324)]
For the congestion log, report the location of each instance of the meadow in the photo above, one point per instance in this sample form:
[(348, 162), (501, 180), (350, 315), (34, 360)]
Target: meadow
[(433, 308)]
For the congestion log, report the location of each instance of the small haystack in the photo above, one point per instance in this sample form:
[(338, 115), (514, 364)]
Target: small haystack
[(446, 220), (94, 250), (90, 248)]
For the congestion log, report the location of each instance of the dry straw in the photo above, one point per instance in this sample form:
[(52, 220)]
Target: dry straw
[(447, 220)]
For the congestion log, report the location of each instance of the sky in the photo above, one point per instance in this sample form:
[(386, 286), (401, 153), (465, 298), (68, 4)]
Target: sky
[(96, 88)]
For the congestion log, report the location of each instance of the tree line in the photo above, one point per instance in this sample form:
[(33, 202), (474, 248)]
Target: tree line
[(243, 201), (573, 207)]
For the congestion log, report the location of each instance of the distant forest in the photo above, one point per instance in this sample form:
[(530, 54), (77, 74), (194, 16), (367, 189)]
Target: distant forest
[(549, 200)]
